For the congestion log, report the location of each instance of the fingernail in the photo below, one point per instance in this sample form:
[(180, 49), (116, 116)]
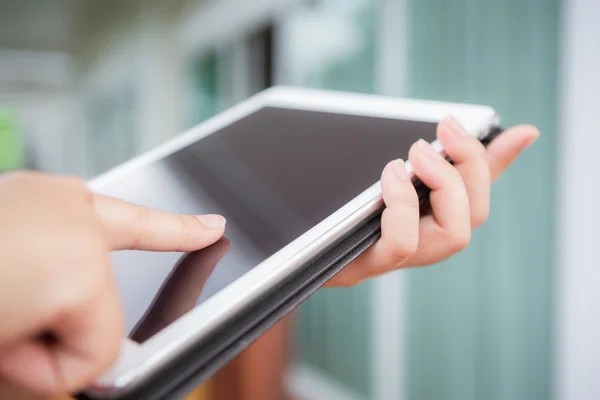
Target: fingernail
[(426, 149), (456, 127), (212, 221), (400, 170)]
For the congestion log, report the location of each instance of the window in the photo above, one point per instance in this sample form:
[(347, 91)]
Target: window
[(231, 72), (112, 123), (332, 44)]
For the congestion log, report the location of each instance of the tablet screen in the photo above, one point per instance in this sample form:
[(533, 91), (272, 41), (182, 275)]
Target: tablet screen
[(273, 174)]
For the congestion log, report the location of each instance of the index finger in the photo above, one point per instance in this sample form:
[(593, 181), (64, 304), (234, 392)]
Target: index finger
[(130, 226)]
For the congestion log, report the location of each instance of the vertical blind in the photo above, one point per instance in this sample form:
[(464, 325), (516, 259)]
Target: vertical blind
[(480, 324)]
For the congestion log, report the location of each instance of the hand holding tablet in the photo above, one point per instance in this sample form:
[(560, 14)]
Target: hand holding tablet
[(288, 169), (460, 200)]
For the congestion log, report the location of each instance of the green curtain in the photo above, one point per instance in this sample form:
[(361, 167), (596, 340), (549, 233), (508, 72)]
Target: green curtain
[(480, 324)]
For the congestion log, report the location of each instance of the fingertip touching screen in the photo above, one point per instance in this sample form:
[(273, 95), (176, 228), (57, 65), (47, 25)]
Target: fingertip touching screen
[(274, 175)]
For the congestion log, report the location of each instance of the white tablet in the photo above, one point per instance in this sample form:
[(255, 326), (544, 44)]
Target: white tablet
[(296, 174)]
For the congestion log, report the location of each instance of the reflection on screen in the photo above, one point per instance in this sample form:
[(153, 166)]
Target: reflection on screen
[(180, 290), (273, 175)]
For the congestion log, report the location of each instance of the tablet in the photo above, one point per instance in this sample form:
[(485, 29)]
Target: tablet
[(296, 174)]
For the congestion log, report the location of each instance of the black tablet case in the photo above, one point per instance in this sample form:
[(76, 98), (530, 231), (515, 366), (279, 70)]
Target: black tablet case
[(179, 377)]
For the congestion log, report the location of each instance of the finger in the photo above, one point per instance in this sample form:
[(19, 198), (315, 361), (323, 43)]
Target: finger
[(470, 161), (84, 343), (505, 148), (91, 340), (11, 391), (134, 227), (399, 230), (29, 366), (448, 229)]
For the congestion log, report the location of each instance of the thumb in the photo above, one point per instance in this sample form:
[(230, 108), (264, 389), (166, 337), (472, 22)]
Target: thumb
[(139, 228)]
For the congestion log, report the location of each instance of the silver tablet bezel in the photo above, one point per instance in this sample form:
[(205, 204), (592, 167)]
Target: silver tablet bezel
[(137, 361)]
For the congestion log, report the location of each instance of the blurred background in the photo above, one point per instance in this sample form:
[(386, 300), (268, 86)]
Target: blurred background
[(87, 84)]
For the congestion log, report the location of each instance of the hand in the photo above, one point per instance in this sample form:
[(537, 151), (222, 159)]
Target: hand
[(61, 317), (460, 200)]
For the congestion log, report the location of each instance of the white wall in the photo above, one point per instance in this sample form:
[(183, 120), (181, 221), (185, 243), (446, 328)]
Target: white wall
[(578, 284), (150, 49), (25, 70), (51, 124), (135, 49), (37, 86)]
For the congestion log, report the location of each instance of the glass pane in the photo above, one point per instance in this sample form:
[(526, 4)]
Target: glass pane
[(331, 44), (205, 94), (112, 125)]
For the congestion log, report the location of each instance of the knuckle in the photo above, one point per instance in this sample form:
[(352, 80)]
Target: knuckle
[(411, 198), (87, 194), (477, 147), (472, 146), (110, 353), (480, 217), (472, 150), (140, 226), (402, 249), (113, 328), (189, 223), (189, 226), (103, 357), (79, 185), (406, 200), (78, 276), (460, 240)]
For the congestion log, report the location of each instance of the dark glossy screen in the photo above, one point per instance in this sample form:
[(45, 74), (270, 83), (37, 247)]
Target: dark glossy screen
[(273, 175)]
